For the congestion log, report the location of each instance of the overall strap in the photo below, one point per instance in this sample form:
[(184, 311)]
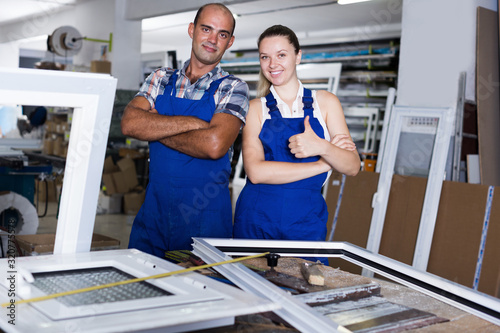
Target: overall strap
[(170, 87), (272, 105), (215, 85), (308, 103)]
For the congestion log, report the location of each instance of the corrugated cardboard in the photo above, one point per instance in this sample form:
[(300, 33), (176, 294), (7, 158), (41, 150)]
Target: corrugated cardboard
[(46, 191), (127, 167), (109, 165), (109, 183), (132, 202), (120, 177), (48, 146), (120, 182), (100, 66)]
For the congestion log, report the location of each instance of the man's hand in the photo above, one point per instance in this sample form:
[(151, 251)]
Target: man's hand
[(211, 142), (143, 122)]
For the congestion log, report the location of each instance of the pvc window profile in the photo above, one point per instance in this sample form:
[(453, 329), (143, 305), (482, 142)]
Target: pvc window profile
[(469, 300), (92, 97), (445, 122)]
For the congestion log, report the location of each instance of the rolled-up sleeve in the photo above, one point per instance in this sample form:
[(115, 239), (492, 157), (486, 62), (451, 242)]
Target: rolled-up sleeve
[(233, 98), (152, 86)]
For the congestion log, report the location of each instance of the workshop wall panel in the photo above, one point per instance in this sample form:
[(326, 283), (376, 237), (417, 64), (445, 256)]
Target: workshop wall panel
[(402, 218), (457, 235), (354, 215)]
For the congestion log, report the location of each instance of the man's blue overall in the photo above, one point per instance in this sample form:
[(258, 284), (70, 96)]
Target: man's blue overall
[(186, 196)]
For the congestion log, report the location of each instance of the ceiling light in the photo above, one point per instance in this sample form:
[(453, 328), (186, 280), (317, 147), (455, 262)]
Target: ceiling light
[(348, 2)]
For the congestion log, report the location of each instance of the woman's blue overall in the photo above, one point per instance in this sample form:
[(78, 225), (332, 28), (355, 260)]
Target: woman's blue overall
[(293, 211), (186, 196)]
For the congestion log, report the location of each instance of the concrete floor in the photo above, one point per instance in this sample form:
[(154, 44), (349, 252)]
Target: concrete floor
[(116, 226)]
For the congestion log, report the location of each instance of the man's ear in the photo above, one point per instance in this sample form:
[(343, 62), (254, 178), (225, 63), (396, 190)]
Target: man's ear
[(191, 30), (231, 41)]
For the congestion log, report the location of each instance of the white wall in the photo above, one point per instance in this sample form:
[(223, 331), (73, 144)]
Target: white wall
[(126, 53), (438, 42), (94, 19), (30, 32), (9, 55), (97, 19)]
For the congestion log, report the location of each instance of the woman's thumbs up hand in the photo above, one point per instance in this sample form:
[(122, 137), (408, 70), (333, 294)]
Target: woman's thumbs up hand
[(305, 144)]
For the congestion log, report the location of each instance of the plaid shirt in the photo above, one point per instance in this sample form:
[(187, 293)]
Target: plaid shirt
[(231, 97)]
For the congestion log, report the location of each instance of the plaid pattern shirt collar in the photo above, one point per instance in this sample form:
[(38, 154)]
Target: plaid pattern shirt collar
[(186, 89)]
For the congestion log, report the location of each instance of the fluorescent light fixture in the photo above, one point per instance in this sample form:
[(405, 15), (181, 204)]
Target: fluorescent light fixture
[(348, 2)]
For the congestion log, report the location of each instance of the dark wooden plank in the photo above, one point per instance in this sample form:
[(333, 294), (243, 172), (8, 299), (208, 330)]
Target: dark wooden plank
[(488, 96)]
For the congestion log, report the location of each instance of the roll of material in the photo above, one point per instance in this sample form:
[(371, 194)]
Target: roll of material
[(28, 221)]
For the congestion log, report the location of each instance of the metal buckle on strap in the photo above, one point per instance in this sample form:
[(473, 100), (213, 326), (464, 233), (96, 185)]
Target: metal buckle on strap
[(272, 104), (308, 100)]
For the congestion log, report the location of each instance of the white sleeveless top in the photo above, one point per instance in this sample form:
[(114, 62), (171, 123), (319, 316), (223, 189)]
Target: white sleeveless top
[(297, 108)]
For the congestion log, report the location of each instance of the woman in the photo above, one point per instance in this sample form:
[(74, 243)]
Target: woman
[(292, 138)]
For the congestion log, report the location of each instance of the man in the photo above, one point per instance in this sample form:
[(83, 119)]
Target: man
[(191, 118)]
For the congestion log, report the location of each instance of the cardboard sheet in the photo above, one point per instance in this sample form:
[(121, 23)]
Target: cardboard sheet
[(457, 237), (488, 95), (403, 218), (355, 214)]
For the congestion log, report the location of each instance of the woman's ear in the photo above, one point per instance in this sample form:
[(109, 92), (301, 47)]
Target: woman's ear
[(298, 57)]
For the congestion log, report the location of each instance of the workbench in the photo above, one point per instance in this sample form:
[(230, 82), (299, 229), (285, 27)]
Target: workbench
[(456, 319)]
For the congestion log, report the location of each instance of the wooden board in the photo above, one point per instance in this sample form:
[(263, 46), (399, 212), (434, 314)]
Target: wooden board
[(403, 218), (488, 95), (355, 214), (457, 235)]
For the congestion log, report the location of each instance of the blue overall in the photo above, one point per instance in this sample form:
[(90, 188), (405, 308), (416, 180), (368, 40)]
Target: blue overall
[(186, 196), (292, 211)]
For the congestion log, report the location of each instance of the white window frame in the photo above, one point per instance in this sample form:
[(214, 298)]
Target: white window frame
[(217, 249), (434, 182), (92, 97)]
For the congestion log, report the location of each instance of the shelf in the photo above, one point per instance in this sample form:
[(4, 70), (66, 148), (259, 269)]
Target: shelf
[(255, 63), (369, 70), (359, 93)]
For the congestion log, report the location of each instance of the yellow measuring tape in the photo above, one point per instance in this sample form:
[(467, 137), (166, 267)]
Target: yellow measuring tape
[(119, 283)]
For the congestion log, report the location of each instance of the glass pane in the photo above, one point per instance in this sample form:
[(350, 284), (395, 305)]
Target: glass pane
[(416, 143)]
